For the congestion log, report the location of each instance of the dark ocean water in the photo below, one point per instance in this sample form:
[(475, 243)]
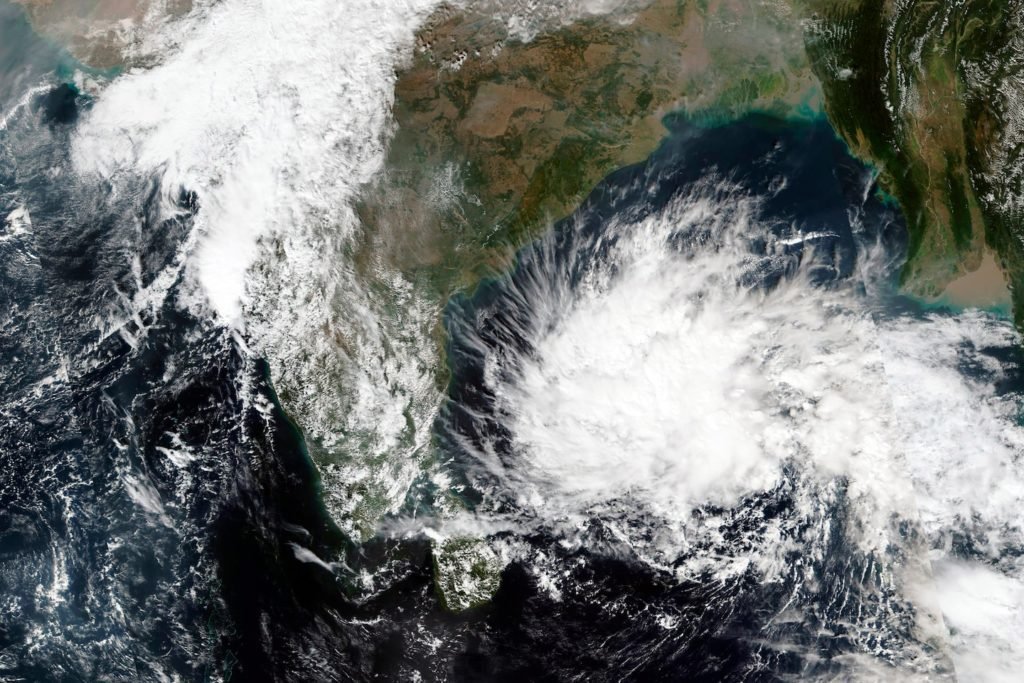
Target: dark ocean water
[(116, 563), (119, 562)]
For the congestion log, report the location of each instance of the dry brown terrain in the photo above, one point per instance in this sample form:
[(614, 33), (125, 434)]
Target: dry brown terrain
[(100, 33)]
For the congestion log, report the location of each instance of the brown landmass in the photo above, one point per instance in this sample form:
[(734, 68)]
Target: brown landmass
[(496, 138), (99, 32)]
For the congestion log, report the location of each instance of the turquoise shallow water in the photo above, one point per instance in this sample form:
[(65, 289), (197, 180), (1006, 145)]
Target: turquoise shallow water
[(941, 305)]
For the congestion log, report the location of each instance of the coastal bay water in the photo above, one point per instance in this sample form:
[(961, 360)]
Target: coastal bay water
[(984, 287), (708, 372)]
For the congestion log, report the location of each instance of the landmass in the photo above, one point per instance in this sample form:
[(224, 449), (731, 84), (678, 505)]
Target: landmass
[(925, 91), (100, 33), (496, 138)]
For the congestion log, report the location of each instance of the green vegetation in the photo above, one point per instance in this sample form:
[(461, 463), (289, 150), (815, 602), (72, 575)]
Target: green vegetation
[(902, 86), (466, 573)]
